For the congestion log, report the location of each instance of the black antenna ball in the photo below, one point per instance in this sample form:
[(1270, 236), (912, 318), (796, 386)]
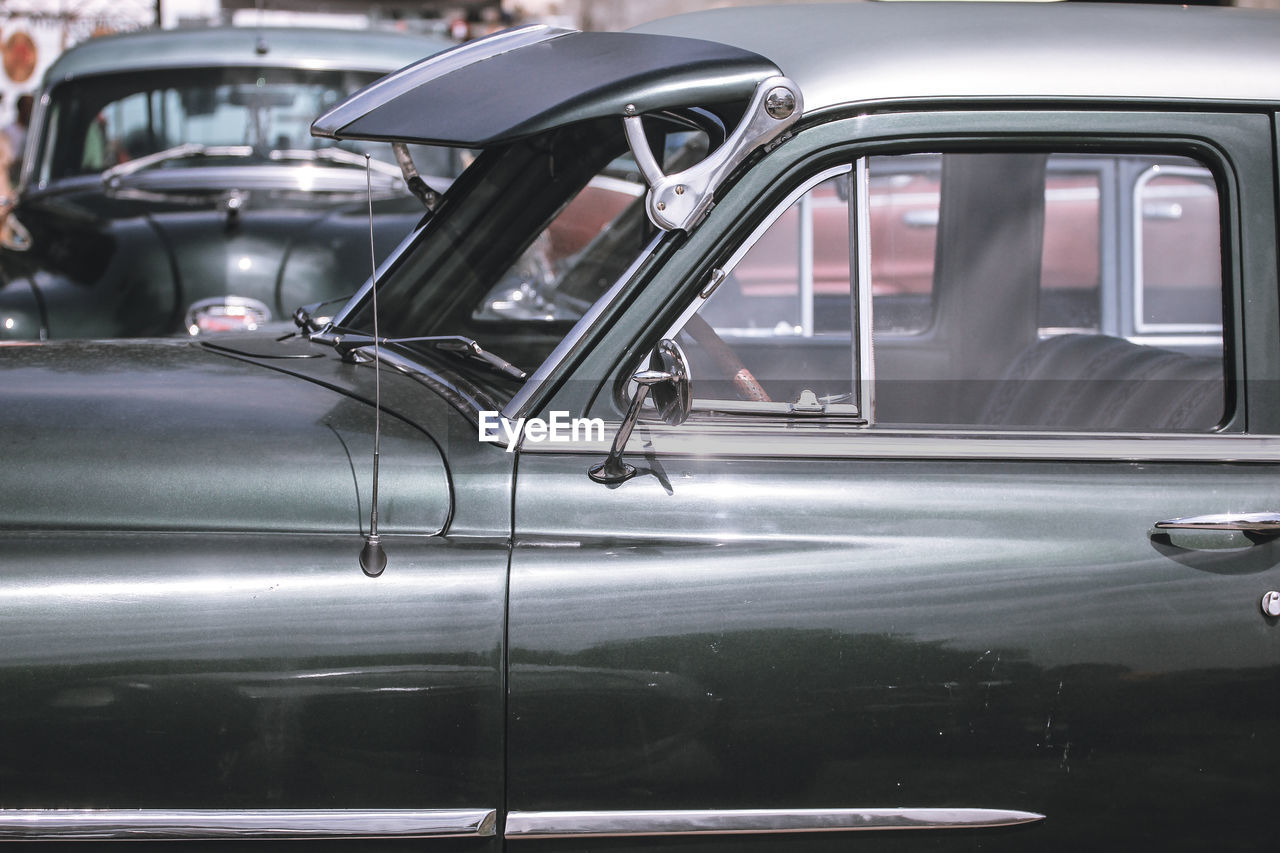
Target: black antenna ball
[(373, 560)]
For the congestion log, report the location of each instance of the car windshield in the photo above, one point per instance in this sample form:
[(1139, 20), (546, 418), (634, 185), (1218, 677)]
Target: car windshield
[(99, 123), (527, 240)]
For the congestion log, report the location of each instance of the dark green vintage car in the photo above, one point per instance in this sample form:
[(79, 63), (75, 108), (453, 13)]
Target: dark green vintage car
[(171, 184), (886, 459)]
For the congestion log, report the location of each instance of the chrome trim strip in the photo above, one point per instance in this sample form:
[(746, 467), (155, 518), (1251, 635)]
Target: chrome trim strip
[(788, 438), (465, 397), (617, 824), (1248, 522), (864, 354), (250, 824), (805, 265)]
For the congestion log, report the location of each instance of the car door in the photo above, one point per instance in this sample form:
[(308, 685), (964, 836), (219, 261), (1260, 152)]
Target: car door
[(940, 577), (191, 651)]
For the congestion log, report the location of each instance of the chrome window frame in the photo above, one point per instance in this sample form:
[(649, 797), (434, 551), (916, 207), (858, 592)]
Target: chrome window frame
[(864, 304)]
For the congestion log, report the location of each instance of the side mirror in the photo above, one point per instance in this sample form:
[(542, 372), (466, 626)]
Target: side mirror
[(667, 381)]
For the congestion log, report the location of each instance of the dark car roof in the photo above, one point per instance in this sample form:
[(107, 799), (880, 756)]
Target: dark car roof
[(537, 77), (849, 53), (360, 50)]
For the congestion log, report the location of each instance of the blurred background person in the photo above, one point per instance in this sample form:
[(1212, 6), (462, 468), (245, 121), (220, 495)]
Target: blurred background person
[(16, 136)]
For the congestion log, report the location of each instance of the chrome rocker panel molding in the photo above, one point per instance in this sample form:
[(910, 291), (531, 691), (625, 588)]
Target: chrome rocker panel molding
[(855, 441), (621, 824), (249, 824)]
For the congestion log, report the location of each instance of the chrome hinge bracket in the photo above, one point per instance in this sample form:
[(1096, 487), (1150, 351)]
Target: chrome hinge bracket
[(679, 202)]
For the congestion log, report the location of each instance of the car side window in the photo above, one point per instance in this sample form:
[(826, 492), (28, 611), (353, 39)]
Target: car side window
[(784, 307), (1012, 291)]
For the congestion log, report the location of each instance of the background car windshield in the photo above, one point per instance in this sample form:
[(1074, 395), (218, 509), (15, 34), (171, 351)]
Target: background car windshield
[(101, 122)]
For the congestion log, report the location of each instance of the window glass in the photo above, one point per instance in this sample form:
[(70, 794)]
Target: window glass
[(104, 121), (1071, 263), (784, 308), (903, 196), (535, 287), (587, 244), (1179, 276), (1008, 291)]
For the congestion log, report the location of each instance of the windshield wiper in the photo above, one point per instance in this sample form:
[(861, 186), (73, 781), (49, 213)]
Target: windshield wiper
[(340, 156), (456, 345), (177, 152)]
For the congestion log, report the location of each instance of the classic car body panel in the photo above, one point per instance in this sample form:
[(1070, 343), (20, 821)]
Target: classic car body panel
[(868, 646), (235, 675), (859, 609), (139, 409), (595, 75), (793, 618), (249, 671), (1061, 52)]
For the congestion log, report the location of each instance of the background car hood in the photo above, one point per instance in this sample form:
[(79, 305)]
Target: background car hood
[(124, 267), (162, 435)]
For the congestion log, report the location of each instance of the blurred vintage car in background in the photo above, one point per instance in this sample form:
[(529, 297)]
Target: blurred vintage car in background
[(170, 182)]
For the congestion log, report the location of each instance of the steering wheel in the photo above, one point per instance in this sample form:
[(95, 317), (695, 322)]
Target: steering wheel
[(744, 382)]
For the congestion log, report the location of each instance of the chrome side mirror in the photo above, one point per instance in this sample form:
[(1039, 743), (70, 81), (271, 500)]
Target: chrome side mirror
[(667, 381)]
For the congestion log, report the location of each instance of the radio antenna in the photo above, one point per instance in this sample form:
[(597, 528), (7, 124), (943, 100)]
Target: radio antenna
[(372, 558)]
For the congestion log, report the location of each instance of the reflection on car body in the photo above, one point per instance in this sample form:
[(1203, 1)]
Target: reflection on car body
[(937, 489)]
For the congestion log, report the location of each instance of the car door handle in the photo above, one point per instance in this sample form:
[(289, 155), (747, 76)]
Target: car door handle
[(1247, 522)]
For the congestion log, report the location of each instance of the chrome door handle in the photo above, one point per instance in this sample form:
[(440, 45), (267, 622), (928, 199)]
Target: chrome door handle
[(1247, 522)]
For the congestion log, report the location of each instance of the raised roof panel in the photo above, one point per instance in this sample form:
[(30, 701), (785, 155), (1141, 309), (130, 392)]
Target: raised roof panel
[(473, 96)]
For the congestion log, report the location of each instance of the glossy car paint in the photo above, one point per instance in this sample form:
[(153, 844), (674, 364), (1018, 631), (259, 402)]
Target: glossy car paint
[(135, 404), (861, 645), (845, 612), (1063, 52), (770, 616), (186, 625)]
